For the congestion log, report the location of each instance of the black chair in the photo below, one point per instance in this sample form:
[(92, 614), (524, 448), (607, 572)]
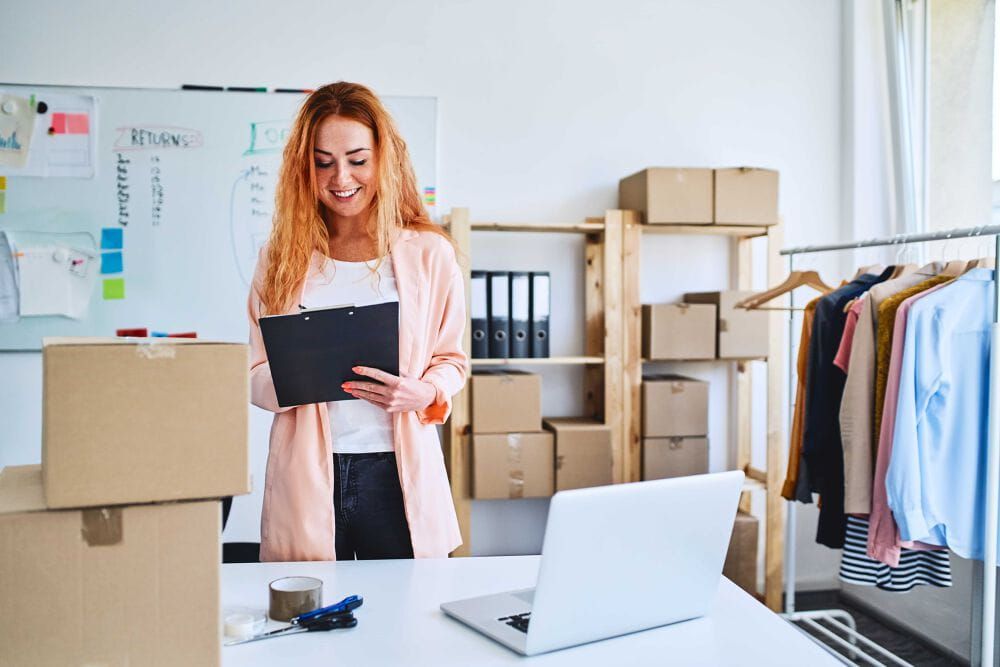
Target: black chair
[(237, 552)]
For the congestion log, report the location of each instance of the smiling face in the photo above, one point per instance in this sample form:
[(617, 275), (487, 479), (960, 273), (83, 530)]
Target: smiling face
[(345, 176)]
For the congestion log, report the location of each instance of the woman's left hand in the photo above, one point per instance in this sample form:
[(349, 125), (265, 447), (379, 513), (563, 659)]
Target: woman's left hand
[(391, 392)]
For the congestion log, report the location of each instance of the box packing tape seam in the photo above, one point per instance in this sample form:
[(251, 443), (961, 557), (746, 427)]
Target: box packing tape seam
[(156, 350), (675, 442), (676, 387), (515, 467), (723, 325), (683, 307), (101, 527)]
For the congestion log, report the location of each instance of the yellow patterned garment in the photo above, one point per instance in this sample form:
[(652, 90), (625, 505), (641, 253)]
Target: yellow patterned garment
[(883, 340)]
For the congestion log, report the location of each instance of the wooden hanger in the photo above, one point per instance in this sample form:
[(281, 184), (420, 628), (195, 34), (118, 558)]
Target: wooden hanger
[(794, 280)]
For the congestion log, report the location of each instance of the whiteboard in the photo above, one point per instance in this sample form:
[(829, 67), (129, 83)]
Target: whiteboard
[(198, 171)]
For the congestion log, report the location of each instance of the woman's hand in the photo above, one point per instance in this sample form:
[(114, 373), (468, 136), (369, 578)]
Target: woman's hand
[(391, 392)]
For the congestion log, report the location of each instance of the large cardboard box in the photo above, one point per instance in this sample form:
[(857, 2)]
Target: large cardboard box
[(746, 196), (741, 560), (674, 405), (742, 334), (583, 452), (133, 422), (664, 458), (132, 585), (667, 195), (513, 465), (506, 402), (678, 331)]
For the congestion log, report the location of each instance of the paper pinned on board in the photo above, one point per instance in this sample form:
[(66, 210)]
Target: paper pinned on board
[(63, 142), (55, 280), (17, 124), (8, 282)]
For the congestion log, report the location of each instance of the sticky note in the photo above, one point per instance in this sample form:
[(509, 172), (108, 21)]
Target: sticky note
[(111, 262), (3, 182), (114, 288), (77, 123), (111, 238), (3, 201), (58, 123)]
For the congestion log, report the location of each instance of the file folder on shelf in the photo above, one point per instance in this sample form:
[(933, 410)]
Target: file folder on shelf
[(520, 314), (480, 327), (498, 305), (540, 299)]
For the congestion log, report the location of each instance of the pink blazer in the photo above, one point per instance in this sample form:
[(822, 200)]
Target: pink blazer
[(297, 521)]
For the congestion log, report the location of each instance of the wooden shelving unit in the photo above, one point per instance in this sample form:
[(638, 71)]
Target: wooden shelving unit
[(601, 358), (769, 480), (613, 361)]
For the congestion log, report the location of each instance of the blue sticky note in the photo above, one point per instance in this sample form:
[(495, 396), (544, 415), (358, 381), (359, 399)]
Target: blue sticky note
[(111, 238), (111, 262)]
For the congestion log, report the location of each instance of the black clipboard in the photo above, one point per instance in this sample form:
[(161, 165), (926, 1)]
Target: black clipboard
[(312, 353)]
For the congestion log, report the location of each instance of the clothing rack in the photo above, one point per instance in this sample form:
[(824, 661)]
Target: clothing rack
[(986, 598)]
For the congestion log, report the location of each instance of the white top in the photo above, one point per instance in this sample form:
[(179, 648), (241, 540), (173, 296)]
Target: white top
[(356, 426), (400, 622)]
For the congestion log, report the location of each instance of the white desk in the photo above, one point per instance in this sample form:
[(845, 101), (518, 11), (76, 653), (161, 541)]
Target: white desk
[(401, 624)]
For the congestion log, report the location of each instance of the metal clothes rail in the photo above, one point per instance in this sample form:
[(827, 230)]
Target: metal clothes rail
[(986, 601)]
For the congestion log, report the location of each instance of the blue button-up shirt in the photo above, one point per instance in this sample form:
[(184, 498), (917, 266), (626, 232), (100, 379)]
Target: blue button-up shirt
[(937, 472)]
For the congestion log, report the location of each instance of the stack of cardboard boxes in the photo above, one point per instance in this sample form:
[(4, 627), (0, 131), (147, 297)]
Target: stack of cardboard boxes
[(674, 426), (708, 325), (700, 196), (705, 326), (513, 457), (110, 550)]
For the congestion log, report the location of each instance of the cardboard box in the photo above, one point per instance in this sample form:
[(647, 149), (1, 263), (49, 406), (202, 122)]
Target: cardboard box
[(513, 465), (746, 196), (583, 452), (133, 422), (664, 458), (678, 331), (112, 586), (741, 560), (506, 402), (669, 195), (742, 334), (674, 405)]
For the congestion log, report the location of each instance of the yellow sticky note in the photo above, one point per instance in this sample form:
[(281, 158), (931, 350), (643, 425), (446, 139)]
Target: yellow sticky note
[(3, 182), (114, 288)]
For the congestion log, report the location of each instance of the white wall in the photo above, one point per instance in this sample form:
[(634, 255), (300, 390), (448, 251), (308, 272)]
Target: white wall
[(543, 107)]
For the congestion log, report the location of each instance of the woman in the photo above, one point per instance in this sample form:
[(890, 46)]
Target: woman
[(359, 478)]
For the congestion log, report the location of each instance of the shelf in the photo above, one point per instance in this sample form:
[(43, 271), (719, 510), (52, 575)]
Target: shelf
[(742, 231), (543, 361), (557, 227), (736, 359)]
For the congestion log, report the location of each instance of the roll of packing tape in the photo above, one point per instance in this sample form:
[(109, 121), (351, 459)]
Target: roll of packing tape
[(243, 622), (291, 596)]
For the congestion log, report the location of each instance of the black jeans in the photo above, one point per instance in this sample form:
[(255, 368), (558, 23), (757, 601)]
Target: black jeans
[(368, 504)]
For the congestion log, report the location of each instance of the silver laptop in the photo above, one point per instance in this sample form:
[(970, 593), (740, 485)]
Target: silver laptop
[(640, 555)]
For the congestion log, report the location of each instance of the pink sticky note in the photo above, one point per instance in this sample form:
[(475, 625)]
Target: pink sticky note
[(77, 123), (59, 123)]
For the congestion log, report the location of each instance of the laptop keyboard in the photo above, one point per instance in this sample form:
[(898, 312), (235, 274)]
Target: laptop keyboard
[(517, 621)]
